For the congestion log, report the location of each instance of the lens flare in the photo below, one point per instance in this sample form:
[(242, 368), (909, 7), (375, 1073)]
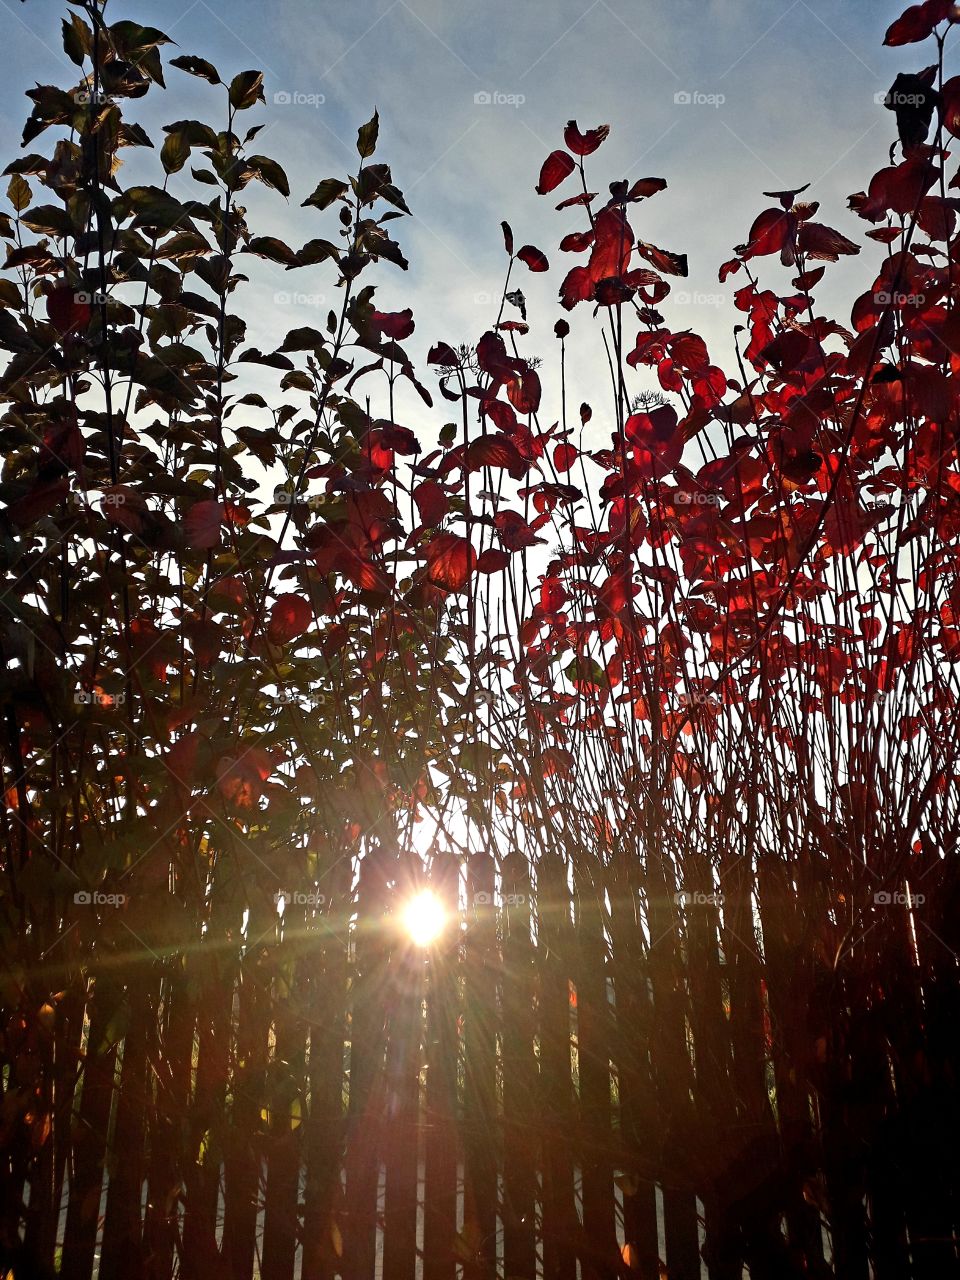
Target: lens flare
[(424, 918)]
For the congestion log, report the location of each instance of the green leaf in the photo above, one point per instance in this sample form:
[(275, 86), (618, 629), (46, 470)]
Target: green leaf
[(185, 244), (131, 134), (297, 378), (197, 67), (375, 183), (273, 250), (315, 251), (153, 207), (587, 672), (383, 247), (175, 152), (270, 173), (329, 189), (181, 136), (10, 295), (19, 193), (367, 136), (195, 132), (149, 62), (32, 163), (246, 88), (253, 355), (77, 39), (48, 220), (303, 339), (130, 38)]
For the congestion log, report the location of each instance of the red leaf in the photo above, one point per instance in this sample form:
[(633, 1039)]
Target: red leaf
[(612, 291), (557, 166), (823, 243), (400, 439), (38, 501), (656, 434), (524, 392), (584, 198), (432, 502), (492, 560), (443, 354), (553, 595), (507, 237), (564, 456), (395, 324), (289, 617), (898, 188), (615, 593), (201, 528), (950, 96), (646, 187), (66, 312), (207, 639), (584, 144), (500, 414), (236, 514), (577, 287), (671, 264), (613, 245), (496, 451), (492, 356), (450, 561), (917, 22), (514, 531), (772, 232), (241, 778), (535, 259), (576, 241)]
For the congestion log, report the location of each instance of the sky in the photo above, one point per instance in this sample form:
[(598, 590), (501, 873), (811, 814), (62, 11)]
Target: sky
[(724, 99)]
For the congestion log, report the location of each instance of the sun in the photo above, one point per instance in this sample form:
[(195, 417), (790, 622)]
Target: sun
[(424, 918)]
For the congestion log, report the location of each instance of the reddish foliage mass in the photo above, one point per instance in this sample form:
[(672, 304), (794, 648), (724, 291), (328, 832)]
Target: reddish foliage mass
[(685, 660)]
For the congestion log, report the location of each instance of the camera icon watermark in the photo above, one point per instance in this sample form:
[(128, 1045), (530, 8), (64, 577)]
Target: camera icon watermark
[(482, 299), (284, 299), (282, 497), (299, 898), (91, 98), (698, 700), (687, 498), (696, 98), (97, 698), (687, 299), (96, 898), (495, 98), (887, 98), (294, 98), (306, 702), (697, 899), (89, 298), (883, 898), (884, 298), (483, 899)]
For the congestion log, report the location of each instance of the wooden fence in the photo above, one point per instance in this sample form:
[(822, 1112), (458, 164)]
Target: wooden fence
[(588, 1075)]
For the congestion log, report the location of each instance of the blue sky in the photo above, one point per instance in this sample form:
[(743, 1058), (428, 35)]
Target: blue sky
[(784, 92)]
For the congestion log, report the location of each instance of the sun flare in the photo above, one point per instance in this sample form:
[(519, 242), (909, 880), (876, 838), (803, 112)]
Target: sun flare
[(424, 918)]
